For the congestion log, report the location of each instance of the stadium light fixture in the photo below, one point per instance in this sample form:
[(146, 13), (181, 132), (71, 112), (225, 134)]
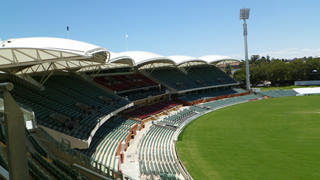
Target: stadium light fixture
[(244, 14)]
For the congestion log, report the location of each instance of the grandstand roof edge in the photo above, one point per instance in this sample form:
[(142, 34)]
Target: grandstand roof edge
[(26, 52), (180, 60), (215, 59), (142, 58)]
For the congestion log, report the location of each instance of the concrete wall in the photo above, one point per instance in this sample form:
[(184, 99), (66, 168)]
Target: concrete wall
[(74, 142)]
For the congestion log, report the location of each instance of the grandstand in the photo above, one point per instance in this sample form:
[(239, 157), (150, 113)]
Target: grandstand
[(156, 152), (85, 107), (279, 93)]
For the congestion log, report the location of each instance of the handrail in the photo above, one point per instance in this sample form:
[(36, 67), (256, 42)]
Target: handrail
[(4, 174), (90, 171), (79, 156)]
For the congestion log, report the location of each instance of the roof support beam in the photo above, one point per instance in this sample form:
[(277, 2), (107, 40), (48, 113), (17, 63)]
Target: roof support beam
[(188, 67), (15, 60), (150, 69), (94, 74), (26, 54), (43, 81), (38, 55), (46, 78), (6, 59)]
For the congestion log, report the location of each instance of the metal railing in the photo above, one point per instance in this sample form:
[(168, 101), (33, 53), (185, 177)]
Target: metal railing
[(99, 167)]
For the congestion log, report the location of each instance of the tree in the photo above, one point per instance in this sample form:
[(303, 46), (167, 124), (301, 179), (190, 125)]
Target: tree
[(240, 76), (296, 70), (242, 64), (268, 58), (254, 58), (228, 69)]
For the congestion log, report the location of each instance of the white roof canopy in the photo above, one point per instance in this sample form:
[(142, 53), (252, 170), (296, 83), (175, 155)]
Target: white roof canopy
[(147, 60), (121, 59), (184, 61), (218, 59), (116, 61), (26, 52), (31, 55)]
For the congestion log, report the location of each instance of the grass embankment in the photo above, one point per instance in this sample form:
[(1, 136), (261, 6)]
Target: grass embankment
[(269, 139)]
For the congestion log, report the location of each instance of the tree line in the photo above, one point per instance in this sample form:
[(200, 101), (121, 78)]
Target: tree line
[(278, 71)]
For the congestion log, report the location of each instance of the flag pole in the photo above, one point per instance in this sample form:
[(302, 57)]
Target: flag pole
[(68, 30), (127, 41)]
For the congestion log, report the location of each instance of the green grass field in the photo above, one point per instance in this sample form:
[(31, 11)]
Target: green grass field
[(276, 138)]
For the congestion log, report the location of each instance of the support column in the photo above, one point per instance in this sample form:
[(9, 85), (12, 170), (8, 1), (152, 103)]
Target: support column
[(15, 136)]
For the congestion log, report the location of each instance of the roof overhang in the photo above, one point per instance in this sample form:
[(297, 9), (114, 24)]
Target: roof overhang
[(187, 61), (67, 65), (218, 59), (121, 59), (156, 63), (116, 61), (225, 61), (14, 57), (147, 60)]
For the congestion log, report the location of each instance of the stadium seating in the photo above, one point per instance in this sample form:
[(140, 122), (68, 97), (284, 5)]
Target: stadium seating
[(178, 118), (156, 152), (206, 95), (60, 96), (249, 97), (36, 144), (106, 140), (3, 162), (67, 169), (196, 77), (229, 101), (270, 93), (35, 171), (125, 82), (239, 90), (278, 93), (196, 108), (146, 111), (286, 92)]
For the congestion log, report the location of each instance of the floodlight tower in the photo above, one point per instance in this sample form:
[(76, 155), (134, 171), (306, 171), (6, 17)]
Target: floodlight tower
[(244, 14)]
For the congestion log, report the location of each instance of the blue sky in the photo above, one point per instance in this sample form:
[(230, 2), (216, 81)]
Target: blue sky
[(279, 28)]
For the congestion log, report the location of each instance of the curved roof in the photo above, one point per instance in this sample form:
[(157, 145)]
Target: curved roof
[(116, 61), (218, 59), (183, 61), (32, 51), (122, 59), (146, 60)]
